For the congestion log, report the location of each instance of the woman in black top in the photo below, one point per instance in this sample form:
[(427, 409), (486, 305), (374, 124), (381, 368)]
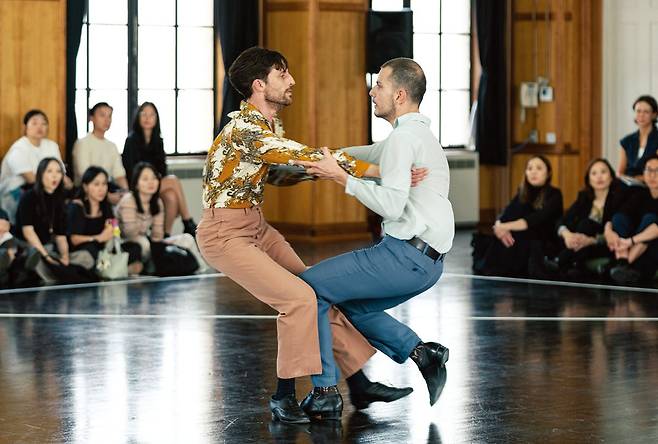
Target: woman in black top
[(145, 144), (40, 216), (641, 145), (633, 232), (90, 219), (525, 232), (581, 228)]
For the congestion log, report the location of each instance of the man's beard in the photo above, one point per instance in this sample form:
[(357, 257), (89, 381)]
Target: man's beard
[(281, 100)]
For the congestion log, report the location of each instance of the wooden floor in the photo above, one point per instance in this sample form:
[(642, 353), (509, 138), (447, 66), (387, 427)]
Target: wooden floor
[(193, 361)]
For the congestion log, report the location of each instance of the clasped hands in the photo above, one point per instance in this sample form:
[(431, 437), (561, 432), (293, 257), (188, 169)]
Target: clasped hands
[(577, 241), (328, 168)]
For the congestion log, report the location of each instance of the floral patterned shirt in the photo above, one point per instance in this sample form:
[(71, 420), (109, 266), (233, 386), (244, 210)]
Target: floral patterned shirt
[(238, 161)]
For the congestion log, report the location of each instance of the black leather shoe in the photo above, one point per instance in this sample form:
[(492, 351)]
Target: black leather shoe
[(323, 403), (625, 275), (377, 392), (287, 410), (431, 358)]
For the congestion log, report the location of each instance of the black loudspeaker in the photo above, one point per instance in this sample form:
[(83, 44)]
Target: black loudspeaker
[(390, 35)]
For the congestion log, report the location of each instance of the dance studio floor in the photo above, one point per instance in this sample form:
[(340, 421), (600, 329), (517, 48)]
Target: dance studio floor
[(192, 360)]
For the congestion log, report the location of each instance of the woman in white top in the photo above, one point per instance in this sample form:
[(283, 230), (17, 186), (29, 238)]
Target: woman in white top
[(19, 166)]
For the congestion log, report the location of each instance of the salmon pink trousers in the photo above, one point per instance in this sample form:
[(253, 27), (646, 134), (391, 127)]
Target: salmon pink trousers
[(241, 244)]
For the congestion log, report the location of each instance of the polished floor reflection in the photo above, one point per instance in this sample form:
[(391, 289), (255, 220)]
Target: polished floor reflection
[(193, 361)]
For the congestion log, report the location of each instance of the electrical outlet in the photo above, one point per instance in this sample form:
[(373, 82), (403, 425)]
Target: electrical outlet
[(551, 138)]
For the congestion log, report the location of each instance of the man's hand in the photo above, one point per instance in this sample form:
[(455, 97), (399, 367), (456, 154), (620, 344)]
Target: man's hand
[(418, 175), (327, 168)]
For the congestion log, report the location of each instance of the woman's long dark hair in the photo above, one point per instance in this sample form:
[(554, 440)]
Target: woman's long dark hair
[(531, 194), (88, 177), (138, 131), (154, 208), (588, 187), (40, 191)]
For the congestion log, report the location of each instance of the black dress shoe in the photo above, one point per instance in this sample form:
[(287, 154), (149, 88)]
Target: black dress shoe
[(431, 358), (287, 410), (323, 403), (377, 392)]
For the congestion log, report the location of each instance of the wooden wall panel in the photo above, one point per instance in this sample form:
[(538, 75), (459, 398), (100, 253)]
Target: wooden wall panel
[(325, 45), (342, 106), (287, 31), (32, 66), (570, 30)]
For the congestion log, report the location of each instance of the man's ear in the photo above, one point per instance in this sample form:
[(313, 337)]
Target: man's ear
[(258, 85), (401, 96)]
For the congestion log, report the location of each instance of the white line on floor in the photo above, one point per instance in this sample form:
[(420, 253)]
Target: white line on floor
[(135, 280), (557, 283)]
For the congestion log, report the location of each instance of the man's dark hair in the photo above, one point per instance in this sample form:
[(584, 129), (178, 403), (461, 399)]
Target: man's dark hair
[(408, 74), (94, 108), (254, 63)]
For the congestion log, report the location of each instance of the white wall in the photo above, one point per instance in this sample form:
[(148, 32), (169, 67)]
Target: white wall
[(630, 65)]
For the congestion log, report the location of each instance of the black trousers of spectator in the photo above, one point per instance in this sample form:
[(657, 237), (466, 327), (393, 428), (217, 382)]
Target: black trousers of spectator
[(647, 264)]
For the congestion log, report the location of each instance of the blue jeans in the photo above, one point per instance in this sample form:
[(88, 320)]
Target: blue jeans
[(364, 283)]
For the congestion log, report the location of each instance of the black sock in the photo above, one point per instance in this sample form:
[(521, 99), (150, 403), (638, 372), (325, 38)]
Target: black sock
[(358, 382), (418, 355), (284, 387)]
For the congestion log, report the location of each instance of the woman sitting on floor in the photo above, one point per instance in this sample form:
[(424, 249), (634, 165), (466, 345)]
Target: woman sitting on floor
[(633, 232), (525, 232), (581, 229), (40, 221), (90, 219), (141, 219)]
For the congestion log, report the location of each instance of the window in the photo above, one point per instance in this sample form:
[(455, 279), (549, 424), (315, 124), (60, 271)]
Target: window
[(442, 47), (150, 50)]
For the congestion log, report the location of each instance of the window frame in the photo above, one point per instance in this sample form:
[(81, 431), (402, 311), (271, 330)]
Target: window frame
[(406, 4), (132, 88)]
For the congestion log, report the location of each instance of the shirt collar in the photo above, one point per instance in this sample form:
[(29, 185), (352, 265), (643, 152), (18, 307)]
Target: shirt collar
[(410, 117)]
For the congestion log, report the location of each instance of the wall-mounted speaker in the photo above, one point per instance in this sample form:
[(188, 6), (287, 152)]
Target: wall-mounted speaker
[(389, 35)]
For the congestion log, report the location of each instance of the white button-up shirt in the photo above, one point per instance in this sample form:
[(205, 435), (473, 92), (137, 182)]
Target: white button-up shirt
[(424, 210)]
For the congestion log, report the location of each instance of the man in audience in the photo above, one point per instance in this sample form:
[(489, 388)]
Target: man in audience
[(94, 149)]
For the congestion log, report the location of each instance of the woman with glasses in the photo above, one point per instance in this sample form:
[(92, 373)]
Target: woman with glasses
[(633, 232)]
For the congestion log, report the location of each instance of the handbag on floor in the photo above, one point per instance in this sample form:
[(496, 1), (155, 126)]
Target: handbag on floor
[(112, 262), (172, 260)]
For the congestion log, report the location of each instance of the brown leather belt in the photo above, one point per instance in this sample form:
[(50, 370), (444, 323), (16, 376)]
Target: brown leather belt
[(424, 247)]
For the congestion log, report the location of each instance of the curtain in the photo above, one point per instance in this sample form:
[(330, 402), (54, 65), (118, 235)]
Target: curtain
[(236, 29), (491, 137), (75, 13)]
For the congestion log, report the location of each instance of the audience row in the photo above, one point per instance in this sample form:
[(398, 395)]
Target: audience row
[(609, 232), (53, 241), (143, 144)]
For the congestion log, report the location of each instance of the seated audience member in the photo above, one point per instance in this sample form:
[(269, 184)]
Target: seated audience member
[(145, 144), (90, 219), (141, 218), (94, 149), (7, 248), (641, 145), (581, 228), (525, 232), (19, 166), (633, 232), (40, 219)]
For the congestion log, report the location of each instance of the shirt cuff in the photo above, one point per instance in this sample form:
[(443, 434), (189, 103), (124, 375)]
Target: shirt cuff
[(351, 185)]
